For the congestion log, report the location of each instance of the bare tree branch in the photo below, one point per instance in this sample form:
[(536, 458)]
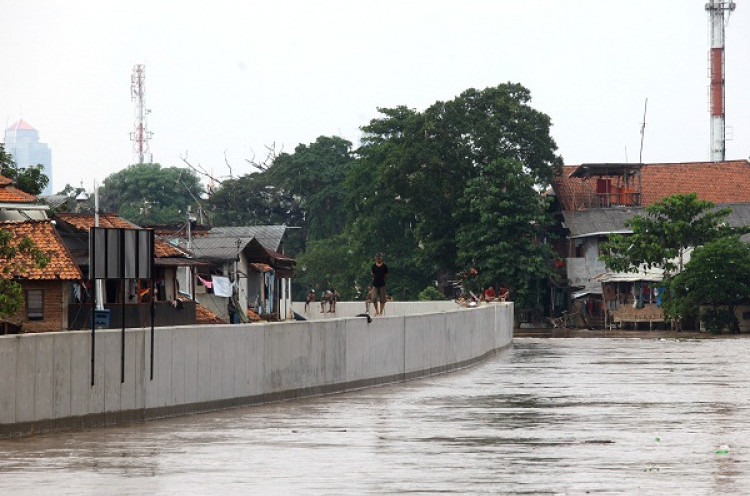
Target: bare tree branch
[(229, 166), (200, 170), (271, 155)]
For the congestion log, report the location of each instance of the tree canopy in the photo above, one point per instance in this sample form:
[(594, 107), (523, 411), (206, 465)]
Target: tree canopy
[(150, 193), (661, 237), (718, 273), (410, 194), (31, 179), (503, 220), (314, 175)]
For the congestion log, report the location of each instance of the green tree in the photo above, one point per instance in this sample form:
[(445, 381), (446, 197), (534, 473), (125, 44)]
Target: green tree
[(11, 293), (314, 175), (502, 223), (718, 274), (661, 237), (253, 200), (330, 264), (148, 194), (430, 293), (415, 167), (30, 179)]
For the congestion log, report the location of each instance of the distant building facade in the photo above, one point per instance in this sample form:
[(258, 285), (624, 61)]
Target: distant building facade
[(22, 142)]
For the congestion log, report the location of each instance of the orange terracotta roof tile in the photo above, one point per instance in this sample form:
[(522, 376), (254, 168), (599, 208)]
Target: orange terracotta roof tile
[(205, 316), (83, 222), (61, 264), (5, 180), (11, 194), (717, 182)]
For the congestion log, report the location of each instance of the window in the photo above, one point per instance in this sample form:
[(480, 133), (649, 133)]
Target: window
[(35, 304)]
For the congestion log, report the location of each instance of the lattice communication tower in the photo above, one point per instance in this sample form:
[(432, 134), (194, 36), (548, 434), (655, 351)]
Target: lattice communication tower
[(140, 135)]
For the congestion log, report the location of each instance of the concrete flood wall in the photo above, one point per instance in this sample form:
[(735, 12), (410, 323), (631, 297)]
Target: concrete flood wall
[(393, 308), (45, 379)]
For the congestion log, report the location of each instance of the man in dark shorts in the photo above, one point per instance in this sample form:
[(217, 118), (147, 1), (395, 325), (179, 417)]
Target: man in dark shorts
[(379, 273)]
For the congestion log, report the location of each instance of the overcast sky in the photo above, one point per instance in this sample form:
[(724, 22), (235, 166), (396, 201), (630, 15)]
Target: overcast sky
[(227, 78)]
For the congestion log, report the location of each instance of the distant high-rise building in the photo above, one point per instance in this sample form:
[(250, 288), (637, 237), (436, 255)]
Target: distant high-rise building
[(22, 142)]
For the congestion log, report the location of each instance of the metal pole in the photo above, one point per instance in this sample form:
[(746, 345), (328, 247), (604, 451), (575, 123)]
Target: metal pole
[(122, 305), (92, 279), (151, 262)]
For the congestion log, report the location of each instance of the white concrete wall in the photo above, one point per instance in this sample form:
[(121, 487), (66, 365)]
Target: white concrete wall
[(45, 378), (393, 308)]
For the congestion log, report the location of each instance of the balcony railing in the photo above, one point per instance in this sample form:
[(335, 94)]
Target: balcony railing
[(605, 200)]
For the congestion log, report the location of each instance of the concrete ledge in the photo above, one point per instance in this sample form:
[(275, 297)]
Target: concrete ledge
[(46, 385)]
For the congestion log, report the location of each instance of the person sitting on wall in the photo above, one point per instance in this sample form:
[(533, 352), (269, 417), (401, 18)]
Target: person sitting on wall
[(310, 298), (325, 299), (334, 297), (503, 293), (489, 294)]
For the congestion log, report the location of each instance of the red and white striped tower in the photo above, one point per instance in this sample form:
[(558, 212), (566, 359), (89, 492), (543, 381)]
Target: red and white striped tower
[(716, 9), (140, 135)]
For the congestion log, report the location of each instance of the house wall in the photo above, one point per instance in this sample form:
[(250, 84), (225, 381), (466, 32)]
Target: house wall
[(56, 294), (45, 379), (580, 270), (242, 283)]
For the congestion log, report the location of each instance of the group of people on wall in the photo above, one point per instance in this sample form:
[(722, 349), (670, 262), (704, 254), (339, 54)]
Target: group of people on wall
[(488, 296), (376, 295), (328, 300)]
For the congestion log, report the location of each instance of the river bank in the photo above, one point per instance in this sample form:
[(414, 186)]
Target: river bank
[(618, 333)]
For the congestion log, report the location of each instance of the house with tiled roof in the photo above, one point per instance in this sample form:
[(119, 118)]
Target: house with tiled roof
[(595, 200), (19, 205), (48, 290), (249, 256), (133, 298)]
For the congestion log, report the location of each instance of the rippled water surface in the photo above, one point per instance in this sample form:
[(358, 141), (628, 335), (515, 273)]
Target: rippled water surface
[(547, 416)]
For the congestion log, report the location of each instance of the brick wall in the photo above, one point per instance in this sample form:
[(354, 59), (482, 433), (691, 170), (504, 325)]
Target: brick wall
[(55, 312)]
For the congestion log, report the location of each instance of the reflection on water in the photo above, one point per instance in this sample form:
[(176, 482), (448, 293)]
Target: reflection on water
[(575, 416)]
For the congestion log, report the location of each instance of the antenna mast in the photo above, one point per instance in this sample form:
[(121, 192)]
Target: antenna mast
[(716, 9), (140, 135), (643, 131)]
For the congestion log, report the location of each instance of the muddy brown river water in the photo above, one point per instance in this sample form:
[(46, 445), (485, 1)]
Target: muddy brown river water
[(547, 416)]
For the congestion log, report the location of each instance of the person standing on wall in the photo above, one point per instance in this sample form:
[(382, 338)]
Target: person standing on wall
[(379, 273)]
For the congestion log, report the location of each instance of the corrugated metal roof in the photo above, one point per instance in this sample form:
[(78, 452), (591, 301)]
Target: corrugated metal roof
[(602, 221), (599, 221), (268, 236), (217, 248)]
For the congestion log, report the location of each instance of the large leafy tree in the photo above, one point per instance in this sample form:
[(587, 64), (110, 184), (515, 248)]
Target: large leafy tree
[(661, 237), (151, 194), (253, 200), (415, 168), (31, 179), (330, 264), (314, 175), (503, 219), (718, 274)]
